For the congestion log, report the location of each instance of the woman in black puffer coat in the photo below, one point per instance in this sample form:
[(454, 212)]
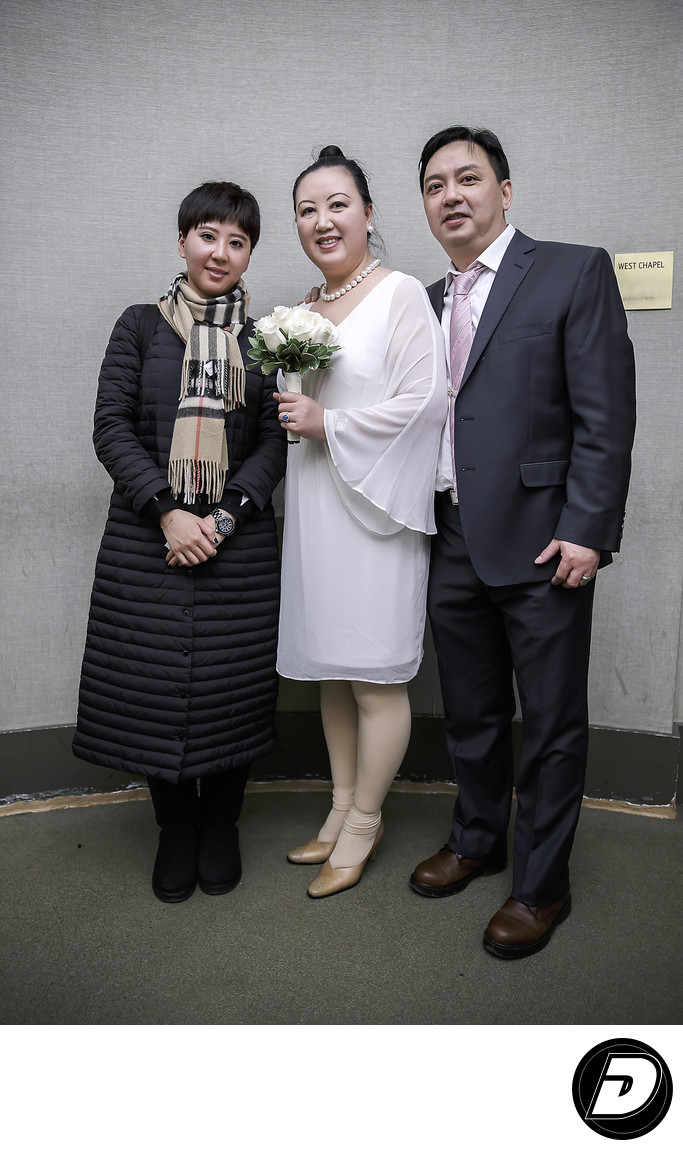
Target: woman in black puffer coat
[(178, 680)]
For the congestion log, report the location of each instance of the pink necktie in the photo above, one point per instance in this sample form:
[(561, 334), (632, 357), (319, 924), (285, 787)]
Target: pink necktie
[(461, 343)]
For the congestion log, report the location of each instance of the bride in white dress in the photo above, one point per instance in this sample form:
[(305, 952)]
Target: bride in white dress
[(359, 494)]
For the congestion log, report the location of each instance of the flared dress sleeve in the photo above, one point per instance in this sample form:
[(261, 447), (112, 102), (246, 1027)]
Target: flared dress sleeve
[(383, 457)]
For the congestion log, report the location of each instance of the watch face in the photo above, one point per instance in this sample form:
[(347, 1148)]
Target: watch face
[(224, 524)]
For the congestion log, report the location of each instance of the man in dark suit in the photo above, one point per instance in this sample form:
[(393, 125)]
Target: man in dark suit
[(530, 503)]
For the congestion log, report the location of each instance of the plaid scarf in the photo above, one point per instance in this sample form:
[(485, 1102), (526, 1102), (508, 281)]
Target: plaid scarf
[(212, 383)]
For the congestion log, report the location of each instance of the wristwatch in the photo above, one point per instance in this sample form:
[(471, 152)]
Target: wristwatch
[(224, 524)]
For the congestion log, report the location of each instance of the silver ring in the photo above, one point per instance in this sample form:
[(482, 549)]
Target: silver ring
[(285, 418), (587, 578), (167, 546)]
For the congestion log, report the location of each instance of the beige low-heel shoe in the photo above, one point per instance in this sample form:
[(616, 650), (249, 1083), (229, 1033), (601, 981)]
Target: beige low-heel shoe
[(331, 879), (314, 851)]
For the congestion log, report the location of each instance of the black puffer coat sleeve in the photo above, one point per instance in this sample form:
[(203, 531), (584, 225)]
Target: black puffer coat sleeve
[(137, 477)]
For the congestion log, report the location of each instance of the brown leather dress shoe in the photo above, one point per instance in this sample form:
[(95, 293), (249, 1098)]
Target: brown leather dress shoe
[(447, 872), (517, 929)]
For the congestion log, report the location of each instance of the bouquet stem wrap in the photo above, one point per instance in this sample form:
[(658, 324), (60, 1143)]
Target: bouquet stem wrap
[(293, 383)]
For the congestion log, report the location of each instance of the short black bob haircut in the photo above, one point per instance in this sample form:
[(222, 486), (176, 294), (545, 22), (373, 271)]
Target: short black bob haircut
[(220, 202), (481, 136)]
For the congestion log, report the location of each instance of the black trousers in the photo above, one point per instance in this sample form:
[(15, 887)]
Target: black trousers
[(482, 634)]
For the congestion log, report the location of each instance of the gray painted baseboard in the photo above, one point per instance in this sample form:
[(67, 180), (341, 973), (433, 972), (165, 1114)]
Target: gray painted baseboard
[(625, 766)]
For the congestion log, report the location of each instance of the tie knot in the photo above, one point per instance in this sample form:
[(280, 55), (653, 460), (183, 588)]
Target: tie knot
[(463, 283)]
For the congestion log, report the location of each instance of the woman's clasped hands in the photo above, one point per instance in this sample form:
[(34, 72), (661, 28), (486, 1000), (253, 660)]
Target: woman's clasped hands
[(189, 540)]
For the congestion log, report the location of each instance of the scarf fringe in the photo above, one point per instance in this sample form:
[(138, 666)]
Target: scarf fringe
[(193, 477)]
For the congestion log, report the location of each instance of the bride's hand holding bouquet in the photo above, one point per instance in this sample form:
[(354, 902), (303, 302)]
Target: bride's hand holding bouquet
[(295, 340)]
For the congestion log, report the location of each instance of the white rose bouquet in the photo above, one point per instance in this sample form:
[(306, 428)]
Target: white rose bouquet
[(296, 341)]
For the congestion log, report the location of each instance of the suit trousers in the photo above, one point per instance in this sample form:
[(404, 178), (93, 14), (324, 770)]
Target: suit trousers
[(482, 635)]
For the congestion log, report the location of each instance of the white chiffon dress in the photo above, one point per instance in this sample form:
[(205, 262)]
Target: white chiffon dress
[(360, 507)]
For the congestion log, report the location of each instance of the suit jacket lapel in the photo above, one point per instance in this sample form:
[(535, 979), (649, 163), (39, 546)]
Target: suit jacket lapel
[(435, 293), (513, 267)]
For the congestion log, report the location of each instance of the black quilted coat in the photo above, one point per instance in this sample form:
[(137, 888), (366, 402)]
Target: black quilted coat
[(178, 677)]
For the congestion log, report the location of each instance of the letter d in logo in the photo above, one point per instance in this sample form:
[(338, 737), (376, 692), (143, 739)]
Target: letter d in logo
[(626, 1086), (622, 1088)]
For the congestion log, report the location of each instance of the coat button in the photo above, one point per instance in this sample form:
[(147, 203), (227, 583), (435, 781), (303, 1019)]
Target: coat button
[(187, 612)]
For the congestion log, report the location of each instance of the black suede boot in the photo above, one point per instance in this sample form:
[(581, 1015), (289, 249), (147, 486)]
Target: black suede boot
[(220, 803), (176, 808)]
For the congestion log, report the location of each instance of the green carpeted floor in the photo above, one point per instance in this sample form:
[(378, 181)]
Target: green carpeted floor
[(84, 941)]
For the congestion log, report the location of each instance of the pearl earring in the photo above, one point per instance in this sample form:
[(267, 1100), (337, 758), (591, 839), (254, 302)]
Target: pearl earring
[(370, 229)]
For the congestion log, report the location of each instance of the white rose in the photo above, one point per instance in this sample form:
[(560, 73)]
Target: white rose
[(298, 324), (270, 325), (322, 330), (272, 339), (281, 313)]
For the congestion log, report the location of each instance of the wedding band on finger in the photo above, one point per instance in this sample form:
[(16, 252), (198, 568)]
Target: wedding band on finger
[(167, 546), (587, 578)]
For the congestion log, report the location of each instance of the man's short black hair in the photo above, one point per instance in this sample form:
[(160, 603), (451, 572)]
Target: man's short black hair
[(481, 136), (220, 202)]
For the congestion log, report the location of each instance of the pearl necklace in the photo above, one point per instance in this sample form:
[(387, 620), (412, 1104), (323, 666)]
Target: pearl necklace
[(354, 283)]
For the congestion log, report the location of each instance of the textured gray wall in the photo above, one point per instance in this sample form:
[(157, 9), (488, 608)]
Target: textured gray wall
[(113, 111)]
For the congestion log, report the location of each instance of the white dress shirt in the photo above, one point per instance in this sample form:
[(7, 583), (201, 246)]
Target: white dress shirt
[(491, 259)]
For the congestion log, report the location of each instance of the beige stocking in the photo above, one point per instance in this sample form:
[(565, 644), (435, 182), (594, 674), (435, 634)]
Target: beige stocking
[(340, 723), (383, 734)]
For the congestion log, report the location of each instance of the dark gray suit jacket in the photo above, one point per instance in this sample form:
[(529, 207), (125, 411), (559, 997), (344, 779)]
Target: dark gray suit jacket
[(545, 416)]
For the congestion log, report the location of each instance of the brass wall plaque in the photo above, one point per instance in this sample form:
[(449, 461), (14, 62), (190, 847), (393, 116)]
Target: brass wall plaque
[(645, 279)]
